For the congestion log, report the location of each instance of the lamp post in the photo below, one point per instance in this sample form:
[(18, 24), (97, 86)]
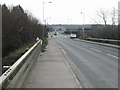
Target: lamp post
[(44, 12), (83, 23), (48, 20), (44, 21)]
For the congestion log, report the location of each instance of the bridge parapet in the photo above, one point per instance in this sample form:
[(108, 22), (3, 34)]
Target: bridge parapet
[(16, 75)]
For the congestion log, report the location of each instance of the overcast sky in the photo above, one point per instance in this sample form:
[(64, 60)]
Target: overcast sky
[(66, 11)]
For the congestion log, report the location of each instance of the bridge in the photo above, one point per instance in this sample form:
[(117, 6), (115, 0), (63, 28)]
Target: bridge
[(66, 63), (40, 70)]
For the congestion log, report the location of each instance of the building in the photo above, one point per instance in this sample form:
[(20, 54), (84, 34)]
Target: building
[(71, 27)]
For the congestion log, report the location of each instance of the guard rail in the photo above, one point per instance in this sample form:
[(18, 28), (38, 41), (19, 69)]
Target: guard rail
[(16, 75)]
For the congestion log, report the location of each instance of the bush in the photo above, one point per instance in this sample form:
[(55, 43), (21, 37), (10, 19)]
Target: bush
[(15, 55), (44, 44)]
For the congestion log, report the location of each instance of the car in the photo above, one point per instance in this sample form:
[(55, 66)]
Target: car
[(72, 36), (55, 33)]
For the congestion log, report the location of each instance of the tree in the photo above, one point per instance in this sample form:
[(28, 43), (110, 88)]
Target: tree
[(103, 14), (19, 28), (5, 29)]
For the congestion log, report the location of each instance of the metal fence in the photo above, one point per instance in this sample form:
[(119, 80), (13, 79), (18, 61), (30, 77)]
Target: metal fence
[(111, 40), (16, 75)]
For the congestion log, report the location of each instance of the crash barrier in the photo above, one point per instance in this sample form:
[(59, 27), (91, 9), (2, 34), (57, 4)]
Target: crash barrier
[(16, 75), (116, 43), (111, 40)]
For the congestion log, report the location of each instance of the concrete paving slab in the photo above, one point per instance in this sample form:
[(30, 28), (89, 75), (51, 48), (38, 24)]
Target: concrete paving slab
[(51, 70)]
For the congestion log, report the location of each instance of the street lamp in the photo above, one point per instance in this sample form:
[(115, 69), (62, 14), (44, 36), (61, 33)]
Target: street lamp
[(48, 20), (44, 12), (69, 21), (83, 23), (44, 21)]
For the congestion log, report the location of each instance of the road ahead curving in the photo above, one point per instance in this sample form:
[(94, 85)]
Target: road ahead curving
[(98, 64)]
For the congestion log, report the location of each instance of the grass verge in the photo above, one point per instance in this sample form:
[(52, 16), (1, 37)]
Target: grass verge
[(15, 55)]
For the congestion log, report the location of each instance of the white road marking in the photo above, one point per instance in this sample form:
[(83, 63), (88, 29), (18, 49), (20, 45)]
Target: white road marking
[(112, 56), (75, 77), (63, 51), (107, 54), (96, 50)]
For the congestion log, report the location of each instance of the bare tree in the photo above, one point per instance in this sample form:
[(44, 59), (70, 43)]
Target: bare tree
[(103, 14), (114, 15)]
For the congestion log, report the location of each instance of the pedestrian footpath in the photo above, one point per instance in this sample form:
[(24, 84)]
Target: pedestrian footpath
[(51, 70)]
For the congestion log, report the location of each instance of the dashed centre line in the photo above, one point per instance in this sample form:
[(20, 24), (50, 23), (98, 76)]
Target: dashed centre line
[(96, 50), (107, 54), (112, 56)]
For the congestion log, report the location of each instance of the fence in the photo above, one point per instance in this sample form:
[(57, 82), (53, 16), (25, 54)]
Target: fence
[(110, 40), (16, 75)]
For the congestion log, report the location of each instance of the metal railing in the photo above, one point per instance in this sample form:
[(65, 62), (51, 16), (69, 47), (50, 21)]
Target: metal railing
[(111, 40), (15, 76)]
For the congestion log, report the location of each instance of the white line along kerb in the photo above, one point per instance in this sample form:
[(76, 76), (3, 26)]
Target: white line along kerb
[(75, 77), (63, 51)]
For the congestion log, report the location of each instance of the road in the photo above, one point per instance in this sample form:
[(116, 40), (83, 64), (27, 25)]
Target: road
[(98, 64)]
